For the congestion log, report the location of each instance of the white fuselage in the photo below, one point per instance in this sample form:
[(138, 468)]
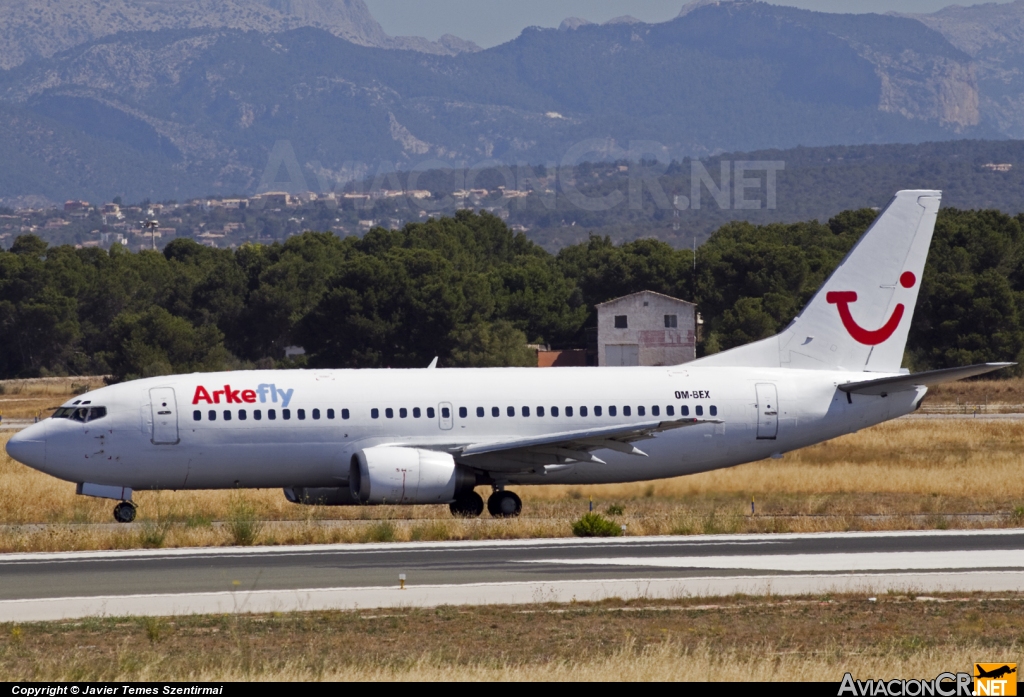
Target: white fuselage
[(150, 437)]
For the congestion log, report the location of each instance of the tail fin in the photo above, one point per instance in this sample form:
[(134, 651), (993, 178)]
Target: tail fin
[(860, 317)]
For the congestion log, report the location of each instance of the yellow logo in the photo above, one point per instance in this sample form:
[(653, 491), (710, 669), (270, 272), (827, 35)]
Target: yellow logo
[(995, 679)]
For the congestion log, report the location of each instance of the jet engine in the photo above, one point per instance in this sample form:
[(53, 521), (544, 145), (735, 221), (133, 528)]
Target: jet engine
[(406, 475)]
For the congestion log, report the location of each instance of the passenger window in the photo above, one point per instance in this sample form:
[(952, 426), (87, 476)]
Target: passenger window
[(316, 414), (597, 411), (612, 411), (446, 413), (302, 414), (511, 411), (389, 412), (495, 411), (416, 413), (627, 411), (375, 413), (286, 414), (257, 414), (540, 411), (699, 410), (344, 414), (430, 412), (713, 410), (526, 411), (480, 411), (642, 411), (568, 411), (463, 413), (197, 415), (227, 415), (241, 414), (271, 414), (554, 411), (583, 411), (669, 410), (684, 410), (403, 413), (330, 413), (212, 415)]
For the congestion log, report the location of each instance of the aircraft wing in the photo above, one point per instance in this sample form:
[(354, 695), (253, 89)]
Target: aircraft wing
[(899, 383), (574, 446)]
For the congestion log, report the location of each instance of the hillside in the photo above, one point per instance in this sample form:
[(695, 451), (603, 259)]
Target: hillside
[(206, 106)]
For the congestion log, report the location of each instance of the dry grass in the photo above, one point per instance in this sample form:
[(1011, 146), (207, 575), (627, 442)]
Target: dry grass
[(24, 399), (1008, 391), (737, 638), (912, 473)]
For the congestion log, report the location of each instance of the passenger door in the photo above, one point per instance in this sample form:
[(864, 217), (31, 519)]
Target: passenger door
[(165, 416), (767, 411)]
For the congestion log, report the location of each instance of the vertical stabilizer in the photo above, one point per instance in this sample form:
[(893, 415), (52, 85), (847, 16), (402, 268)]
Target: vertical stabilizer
[(860, 317)]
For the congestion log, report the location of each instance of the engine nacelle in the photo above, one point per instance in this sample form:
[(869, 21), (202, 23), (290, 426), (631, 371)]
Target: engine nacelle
[(406, 475)]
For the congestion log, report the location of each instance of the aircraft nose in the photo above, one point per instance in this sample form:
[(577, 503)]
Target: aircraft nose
[(29, 447)]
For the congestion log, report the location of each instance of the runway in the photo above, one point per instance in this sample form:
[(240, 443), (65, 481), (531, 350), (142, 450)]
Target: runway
[(47, 586)]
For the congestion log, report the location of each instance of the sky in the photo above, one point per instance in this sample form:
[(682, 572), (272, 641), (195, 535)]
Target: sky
[(492, 22)]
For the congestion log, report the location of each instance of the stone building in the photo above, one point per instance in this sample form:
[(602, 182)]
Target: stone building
[(646, 328)]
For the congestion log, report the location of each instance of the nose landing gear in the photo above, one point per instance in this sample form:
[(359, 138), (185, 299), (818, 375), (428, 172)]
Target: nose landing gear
[(504, 504), (124, 512)]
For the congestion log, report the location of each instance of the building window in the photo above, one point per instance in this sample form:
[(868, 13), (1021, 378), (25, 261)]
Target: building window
[(540, 411), (620, 322), (403, 413), (671, 321), (241, 414), (344, 414), (416, 413), (197, 415), (271, 414), (480, 411), (463, 412)]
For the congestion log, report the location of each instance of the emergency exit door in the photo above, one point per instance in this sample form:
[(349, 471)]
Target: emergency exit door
[(767, 411), (165, 416)]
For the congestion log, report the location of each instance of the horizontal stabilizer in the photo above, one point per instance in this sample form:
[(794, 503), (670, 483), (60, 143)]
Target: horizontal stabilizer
[(899, 383)]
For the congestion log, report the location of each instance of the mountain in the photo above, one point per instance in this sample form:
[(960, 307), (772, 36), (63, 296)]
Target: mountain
[(206, 107), (31, 29), (993, 36)]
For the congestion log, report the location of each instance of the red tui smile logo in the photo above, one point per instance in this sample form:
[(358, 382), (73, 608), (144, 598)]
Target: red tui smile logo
[(871, 337)]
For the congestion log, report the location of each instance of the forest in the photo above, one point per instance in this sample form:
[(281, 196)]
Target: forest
[(468, 290)]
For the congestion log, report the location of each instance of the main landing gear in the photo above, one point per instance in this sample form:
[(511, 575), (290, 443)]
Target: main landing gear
[(501, 504), (124, 512), (504, 504)]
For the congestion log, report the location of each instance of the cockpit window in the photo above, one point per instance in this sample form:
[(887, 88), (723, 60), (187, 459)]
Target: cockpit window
[(82, 414)]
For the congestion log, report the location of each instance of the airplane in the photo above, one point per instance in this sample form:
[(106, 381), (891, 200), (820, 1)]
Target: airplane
[(995, 673), (432, 435)]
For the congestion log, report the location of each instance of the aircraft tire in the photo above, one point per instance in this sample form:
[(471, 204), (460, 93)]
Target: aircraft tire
[(124, 512), (504, 504), (467, 505)]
